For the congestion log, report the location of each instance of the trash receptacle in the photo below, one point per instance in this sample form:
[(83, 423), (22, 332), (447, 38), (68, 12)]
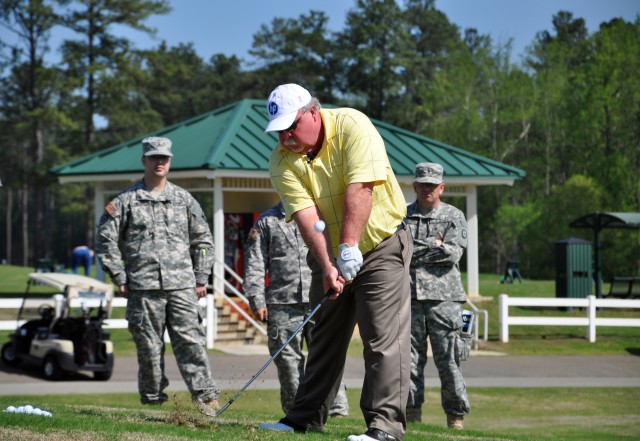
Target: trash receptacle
[(573, 268), (44, 266)]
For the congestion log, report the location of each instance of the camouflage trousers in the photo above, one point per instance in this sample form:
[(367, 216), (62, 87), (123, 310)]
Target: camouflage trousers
[(283, 321), (151, 312), (441, 322)]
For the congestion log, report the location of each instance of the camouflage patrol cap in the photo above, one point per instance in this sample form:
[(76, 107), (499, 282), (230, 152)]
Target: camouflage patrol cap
[(428, 173), (156, 145)]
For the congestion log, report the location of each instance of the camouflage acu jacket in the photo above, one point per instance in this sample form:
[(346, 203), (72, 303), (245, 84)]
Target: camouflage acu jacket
[(434, 270), (149, 243), (275, 247)]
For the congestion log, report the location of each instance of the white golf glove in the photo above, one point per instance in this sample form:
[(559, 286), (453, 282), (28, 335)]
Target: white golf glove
[(349, 260)]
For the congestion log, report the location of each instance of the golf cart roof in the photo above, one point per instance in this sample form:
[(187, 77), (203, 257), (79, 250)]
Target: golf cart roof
[(73, 285), (61, 280)]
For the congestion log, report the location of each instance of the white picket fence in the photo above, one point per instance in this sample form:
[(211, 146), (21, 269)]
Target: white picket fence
[(210, 321), (591, 305)]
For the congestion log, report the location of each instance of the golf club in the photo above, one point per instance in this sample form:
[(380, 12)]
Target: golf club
[(243, 388)]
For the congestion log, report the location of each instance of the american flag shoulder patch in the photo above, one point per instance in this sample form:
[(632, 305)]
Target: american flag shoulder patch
[(110, 208)]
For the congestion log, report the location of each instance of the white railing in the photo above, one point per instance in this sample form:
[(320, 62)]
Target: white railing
[(233, 304), (485, 322), (591, 304), (55, 301)]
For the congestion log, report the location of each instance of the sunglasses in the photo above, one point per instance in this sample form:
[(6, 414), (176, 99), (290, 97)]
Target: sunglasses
[(292, 127)]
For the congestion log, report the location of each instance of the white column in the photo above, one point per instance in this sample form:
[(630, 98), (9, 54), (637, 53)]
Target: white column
[(98, 209), (503, 317), (473, 262), (591, 312), (218, 269), (211, 317)]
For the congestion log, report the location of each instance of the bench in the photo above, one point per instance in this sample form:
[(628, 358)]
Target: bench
[(624, 287)]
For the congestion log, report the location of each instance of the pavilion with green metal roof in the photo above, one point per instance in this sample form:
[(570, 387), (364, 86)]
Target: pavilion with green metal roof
[(225, 152)]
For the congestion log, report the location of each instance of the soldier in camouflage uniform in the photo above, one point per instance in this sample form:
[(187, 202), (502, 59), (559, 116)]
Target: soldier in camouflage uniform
[(276, 248), (155, 243), (439, 233)]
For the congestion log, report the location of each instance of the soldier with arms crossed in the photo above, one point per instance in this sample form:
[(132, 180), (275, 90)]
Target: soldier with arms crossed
[(439, 233)]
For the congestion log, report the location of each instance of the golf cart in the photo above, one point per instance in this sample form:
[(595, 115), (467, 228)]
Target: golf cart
[(63, 334)]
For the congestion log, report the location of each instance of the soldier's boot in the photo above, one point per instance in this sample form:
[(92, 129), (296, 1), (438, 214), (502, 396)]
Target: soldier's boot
[(338, 416), (455, 421), (414, 415), (208, 408)]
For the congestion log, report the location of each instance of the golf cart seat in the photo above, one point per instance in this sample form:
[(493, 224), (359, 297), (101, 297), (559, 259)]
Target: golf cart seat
[(29, 330)]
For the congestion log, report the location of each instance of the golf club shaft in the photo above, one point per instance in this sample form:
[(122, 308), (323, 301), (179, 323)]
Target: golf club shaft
[(302, 325)]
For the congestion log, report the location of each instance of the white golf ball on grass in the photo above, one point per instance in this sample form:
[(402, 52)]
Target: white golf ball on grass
[(28, 409), (319, 226)]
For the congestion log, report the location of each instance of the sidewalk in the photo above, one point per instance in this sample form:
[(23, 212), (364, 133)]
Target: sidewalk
[(233, 369)]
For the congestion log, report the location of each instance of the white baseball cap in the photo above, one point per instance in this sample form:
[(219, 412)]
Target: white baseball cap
[(283, 105)]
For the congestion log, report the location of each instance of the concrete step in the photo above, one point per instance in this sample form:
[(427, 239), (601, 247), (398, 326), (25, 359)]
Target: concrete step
[(232, 327)]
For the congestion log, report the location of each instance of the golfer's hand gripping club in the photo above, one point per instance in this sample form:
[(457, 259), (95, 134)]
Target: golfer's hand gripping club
[(302, 325), (349, 261)]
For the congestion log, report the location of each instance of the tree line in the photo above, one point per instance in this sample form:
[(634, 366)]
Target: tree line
[(568, 112)]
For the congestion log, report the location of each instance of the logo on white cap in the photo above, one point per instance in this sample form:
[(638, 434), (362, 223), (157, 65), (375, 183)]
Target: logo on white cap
[(283, 105)]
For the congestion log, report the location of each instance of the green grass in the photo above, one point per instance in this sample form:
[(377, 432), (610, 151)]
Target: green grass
[(505, 414), (518, 414)]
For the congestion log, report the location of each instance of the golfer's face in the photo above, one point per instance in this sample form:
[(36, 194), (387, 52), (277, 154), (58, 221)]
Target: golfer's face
[(157, 165), (299, 137)]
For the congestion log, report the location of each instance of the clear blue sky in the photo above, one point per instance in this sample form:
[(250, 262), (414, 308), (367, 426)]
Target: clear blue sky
[(228, 27)]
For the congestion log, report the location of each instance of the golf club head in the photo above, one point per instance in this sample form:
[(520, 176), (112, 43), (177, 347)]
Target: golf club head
[(328, 294), (225, 407)]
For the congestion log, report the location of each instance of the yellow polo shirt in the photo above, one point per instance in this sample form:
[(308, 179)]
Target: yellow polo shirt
[(353, 151)]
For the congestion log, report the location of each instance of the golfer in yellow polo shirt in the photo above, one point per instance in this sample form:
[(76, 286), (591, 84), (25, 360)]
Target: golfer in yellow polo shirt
[(331, 165)]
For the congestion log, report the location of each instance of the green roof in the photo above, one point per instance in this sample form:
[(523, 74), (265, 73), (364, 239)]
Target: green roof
[(600, 220), (233, 138)]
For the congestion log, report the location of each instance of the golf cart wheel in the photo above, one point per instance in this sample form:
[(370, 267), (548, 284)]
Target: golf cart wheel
[(51, 369), (102, 376), (9, 355)]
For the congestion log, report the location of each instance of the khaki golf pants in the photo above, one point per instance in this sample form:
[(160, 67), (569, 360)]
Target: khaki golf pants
[(378, 300)]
